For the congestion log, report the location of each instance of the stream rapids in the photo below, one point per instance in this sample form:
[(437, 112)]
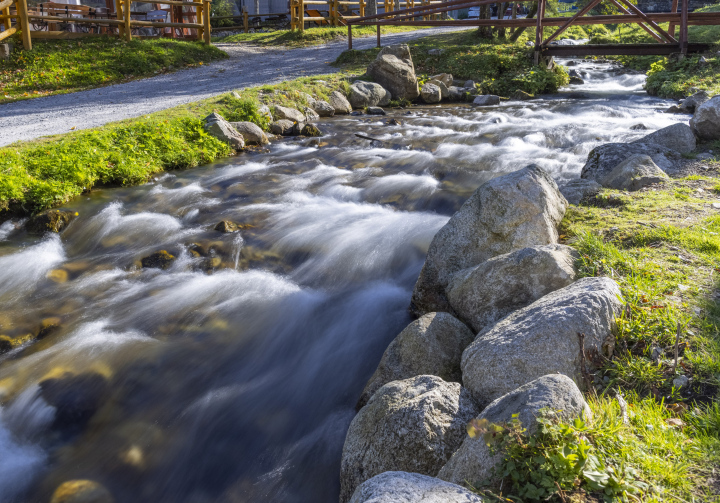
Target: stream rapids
[(234, 378)]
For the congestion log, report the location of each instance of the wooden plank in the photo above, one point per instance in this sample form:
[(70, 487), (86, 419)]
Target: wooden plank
[(673, 8), (5, 4), (684, 27), (169, 2), (315, 18), (7, 33), (620, 49), (79, 20)]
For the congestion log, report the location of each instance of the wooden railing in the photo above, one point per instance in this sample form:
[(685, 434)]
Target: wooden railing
[(121, 26), (20, 17)]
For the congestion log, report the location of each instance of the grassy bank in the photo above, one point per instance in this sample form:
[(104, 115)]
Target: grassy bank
[(311, 36), (62, 66), (498, 66), (44, 173), (662, 246)]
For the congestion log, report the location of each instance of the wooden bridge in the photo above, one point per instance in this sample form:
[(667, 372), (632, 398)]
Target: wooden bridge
[(668, 41)]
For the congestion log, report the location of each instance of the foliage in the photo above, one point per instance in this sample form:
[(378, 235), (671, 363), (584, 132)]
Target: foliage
[(222, 8), (558, 458), (38, 176), (673, 78), (245, 109), (59, 66)]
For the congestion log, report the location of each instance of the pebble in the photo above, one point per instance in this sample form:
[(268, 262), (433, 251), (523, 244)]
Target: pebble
[(680, 382)]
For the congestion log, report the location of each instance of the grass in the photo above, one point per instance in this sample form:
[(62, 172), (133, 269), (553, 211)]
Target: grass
[(498, 66), (63, 66), (662, 246), (43, 173), (311, 36)]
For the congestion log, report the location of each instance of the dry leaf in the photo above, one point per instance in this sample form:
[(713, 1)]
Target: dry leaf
[(675, 422)]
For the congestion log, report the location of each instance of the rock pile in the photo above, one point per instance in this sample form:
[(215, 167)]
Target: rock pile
[(500, 310)]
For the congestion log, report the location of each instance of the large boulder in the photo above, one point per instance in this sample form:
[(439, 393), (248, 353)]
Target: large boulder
[(706, 120), (515, 210), (679, 137), (282, 127), (430, 345), (444, 92), (323, 108), (445, 78), (339, 103), (368, 94), (251, 133), (634, 173), (457, 93), (543, 338), (287, 113), (217, 127), (412, 425), (577, 190), (431, 93), (483, 294), (393, 69), (691, 103), (403, 487), (473, 462), (603, 159)]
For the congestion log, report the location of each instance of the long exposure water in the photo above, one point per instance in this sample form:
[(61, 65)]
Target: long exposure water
[(232, 376)]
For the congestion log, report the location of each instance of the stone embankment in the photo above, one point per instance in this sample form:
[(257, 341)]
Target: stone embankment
[(505, 327)]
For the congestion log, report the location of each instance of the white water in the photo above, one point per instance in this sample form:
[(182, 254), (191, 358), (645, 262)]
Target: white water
[(238, 383)]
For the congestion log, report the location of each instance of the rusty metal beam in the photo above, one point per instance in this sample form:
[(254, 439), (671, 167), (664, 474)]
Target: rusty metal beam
[(642, 25), (570, 21), (649, 21)]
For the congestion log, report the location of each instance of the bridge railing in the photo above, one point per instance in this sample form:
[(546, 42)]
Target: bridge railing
[(20, 17)]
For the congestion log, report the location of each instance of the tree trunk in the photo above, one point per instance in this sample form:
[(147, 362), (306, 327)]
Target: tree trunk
[(519, 31)]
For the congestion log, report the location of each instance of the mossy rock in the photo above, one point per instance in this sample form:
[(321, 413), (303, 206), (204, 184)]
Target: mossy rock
[(226, 226), (76, 398), (311, 130), (81, 491), (6, 344), (50, 221), (158, 260), (48, 326)]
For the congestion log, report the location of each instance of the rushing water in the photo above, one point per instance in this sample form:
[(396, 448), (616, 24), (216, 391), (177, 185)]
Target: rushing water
[(232, 376)]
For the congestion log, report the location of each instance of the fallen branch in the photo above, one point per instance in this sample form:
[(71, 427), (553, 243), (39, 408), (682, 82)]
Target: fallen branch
[(367, 137)]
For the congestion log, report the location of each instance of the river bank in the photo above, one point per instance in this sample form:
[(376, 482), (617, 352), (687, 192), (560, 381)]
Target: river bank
[(234, 372)]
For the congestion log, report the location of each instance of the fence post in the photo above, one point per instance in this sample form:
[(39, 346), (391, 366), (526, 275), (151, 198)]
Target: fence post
[(22, 13), (126, 18), (118, 15), (8, 21), (206, 21), (246, 20), (684, 27), (362, 8), (301, 16), (199, 19)]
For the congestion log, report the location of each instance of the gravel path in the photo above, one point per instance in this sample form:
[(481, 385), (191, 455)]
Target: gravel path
[(247, 66)]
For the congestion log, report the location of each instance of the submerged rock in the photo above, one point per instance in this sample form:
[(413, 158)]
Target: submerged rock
[(339, 103), (6, 344), (393, 69), (431, 93), (483, 294), (251, 133), (679, 137), (403, 487), (543, 338), (486, 100), (310, 130), (368, 94), (555, 394), (158, 260), (519, 95), (76, 398), (50, 221), (226, 226), (430, 345), (512, 211), (376, 111), (217, 127), (81, 491), (634, 173), (706, 120), (577, 190), (412, 425)]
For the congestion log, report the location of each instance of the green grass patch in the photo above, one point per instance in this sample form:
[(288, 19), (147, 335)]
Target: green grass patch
[(61, 66), (311, 36), (497, 65), (43, 173)]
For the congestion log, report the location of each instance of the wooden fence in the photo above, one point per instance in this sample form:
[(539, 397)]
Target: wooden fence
[(122, 25)]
